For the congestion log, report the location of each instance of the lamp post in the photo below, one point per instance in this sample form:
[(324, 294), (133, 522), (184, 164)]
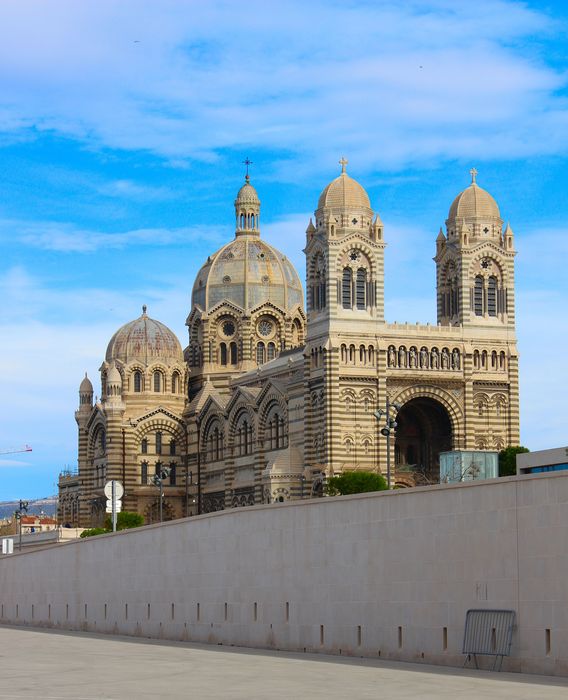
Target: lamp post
[(158, 480), (389, 413), (22, 509)]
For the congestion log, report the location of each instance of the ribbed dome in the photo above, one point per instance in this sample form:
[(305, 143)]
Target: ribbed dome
[(474, 203), (247, 272), (247, 195), (344, 192), (144, 340), (86, 386)]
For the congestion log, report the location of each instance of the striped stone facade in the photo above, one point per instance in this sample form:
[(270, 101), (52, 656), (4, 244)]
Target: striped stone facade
[(270, 400)]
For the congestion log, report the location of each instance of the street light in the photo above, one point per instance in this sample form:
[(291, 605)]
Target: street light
[(18, 514), (158, 480), (388, 414)]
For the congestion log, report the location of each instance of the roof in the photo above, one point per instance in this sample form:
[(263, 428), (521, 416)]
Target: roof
[(344, 192), (144, 340), (474, 202)]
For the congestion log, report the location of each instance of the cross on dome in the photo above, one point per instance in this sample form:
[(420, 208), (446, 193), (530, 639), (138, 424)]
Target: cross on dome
[(473, 173), (343, 162), (247, 161)]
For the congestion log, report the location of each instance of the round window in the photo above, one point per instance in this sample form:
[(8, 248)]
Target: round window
[(228, 328), (265, 327)]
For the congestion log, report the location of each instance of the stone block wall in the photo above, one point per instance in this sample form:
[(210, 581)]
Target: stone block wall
[(387, 575)]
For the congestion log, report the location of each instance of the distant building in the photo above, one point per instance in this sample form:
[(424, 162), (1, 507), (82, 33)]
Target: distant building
[(268, 399), (37, 523), (555, 460)]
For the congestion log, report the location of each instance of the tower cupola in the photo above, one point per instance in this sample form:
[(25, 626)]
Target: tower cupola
[(247, 209)]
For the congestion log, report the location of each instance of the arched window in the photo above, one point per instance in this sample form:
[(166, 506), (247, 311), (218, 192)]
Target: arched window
[(271, 351), (260, 353), (144, 446), (144, 473), (172, 447), (223, 349), (137, 381), (478, 296), (157, 381), (173, 474), (233, 348), (476, 359), (344, 353), (158, 443), (492, 296), (361, 292), (346, 288), (362, 355), (501, 360), (175, 383), (371, 355), (494, 360), (484, 359), (352, 354)]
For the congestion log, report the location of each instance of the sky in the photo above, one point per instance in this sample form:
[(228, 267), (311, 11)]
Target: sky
[(124, 125)]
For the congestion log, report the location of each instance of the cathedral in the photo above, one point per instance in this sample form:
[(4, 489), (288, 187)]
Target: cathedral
[(270, 398)]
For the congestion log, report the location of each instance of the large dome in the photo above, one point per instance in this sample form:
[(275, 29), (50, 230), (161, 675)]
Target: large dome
[(144, 340), (247, 272), (474, 203), (344, 192)]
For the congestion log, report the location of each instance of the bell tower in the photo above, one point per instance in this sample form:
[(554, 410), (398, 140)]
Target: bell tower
[(475, 263), (345, 292)]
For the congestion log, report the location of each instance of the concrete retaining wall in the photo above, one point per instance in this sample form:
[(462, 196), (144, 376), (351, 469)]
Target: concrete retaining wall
[(387, 575)]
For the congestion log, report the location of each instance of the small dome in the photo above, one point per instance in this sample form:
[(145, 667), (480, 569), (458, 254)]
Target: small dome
[(344, 192), (474, 203), (247, 195), (86, 387), (144, 340), (113, 376)]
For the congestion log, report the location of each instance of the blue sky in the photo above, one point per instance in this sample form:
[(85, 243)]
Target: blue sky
[(124, 124)]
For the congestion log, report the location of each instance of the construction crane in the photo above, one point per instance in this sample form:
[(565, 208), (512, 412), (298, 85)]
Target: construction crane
[(13, 450)]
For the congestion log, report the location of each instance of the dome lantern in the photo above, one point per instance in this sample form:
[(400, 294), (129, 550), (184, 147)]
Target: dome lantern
[(247, 209)]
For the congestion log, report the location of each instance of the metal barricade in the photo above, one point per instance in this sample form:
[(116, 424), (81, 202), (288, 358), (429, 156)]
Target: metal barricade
[(488, 632)]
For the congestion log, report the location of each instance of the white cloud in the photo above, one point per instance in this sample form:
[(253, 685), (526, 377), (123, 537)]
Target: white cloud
[(390, 84), (66, 237)]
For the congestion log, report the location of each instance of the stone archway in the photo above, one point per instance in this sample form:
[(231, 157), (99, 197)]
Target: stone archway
[(152, 512), (424, 429)]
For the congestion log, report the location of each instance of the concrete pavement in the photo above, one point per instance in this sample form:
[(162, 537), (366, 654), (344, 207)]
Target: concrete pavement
[(53, 665)]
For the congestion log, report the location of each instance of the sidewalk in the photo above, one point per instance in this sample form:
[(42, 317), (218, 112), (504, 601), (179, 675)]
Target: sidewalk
[(74, 666)]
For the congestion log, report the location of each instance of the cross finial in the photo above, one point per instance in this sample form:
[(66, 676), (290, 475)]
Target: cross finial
[(473, 173), (144, 307), (343, 162), (247, 161)]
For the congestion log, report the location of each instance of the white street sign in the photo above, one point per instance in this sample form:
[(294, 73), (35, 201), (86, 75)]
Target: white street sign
[(118, 489), (7, 546), (118, 506)]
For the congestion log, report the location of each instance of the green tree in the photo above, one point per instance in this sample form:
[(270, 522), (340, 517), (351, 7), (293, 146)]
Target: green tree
[(125, 520), (92, 531), (356, 482), (508, 460)]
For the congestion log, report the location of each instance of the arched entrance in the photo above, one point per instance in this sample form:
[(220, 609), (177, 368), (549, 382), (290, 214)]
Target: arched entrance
[(423, 431)]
